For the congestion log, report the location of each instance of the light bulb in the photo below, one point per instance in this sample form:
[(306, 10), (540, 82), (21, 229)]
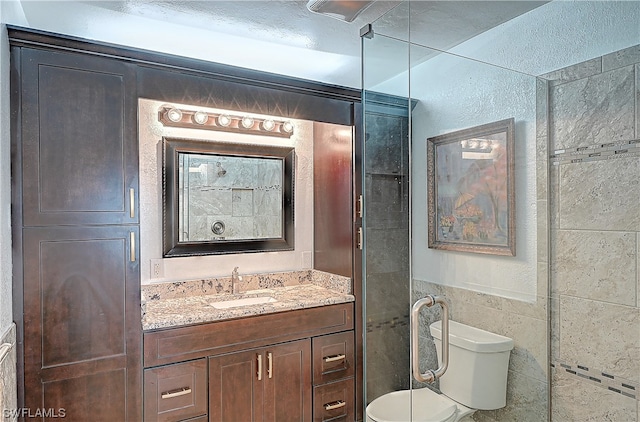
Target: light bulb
[(200, 117), (247, 122), (174, 115), (223, 120), (268, 125), (287, 127)]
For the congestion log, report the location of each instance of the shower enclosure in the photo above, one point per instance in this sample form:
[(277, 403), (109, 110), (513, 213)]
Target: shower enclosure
[(568, 74)]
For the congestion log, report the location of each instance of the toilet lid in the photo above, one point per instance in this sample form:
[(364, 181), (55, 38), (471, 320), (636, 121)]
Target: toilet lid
[(428, 406)]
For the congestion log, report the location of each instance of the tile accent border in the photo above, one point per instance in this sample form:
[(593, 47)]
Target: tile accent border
[(390, 323), (597, 152), (600, 378)]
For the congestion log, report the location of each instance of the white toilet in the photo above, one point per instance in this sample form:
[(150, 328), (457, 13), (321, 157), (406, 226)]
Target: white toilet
[(475, 379)]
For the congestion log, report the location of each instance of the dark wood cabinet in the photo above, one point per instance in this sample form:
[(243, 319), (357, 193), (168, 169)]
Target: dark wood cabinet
[(267, 384), (76, 235), (79, 141), (176, 392), (75, 222), (333, 377), (273, 367)]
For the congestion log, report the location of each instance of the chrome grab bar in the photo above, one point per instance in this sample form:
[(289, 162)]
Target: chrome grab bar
[(430, 375)]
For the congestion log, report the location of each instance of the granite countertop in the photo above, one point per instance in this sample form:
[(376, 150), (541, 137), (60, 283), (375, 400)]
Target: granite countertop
[(185, 303)]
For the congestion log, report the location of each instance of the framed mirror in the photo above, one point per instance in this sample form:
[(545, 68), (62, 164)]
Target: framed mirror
[(222, 198)]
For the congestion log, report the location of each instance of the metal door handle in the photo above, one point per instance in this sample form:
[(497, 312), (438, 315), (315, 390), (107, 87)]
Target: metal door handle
[(132, 246), (430, 375), (334, 358), (259, 357), (335, 405), (132, 203), (176, 393), (270, 366)]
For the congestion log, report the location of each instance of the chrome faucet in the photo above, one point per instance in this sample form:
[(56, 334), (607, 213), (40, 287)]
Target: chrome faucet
[(235, 281)]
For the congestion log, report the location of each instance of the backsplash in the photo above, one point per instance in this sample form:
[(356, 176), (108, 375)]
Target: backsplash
[(222, 285)]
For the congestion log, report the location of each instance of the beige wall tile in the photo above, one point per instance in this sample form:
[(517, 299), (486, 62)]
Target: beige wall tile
[(600, 195), (593, 110), (526, 400), (529, 355), (600, 335), (575, 400), (596, 265)]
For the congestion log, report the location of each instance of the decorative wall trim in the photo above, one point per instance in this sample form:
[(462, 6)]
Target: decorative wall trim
[(621, 149), (394, 322), (600, 378)]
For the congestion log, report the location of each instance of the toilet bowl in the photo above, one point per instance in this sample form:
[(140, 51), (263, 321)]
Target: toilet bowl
[(475, 379), (418, 405)]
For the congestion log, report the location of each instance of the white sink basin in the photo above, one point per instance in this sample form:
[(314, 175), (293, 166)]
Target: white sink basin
[(247, 301)]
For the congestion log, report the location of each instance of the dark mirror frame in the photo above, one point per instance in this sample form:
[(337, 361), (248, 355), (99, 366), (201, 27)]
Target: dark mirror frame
[(173, 247)]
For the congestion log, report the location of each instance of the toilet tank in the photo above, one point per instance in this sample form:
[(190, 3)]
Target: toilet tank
[(478, 365)]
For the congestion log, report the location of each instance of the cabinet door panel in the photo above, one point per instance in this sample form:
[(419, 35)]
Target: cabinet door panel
[(83, 294), (97, 398), (82, 317), (79, 142), (235, 393), (288, 383)]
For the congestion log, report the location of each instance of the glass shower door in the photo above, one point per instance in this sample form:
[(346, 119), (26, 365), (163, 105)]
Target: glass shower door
[(387, 251), (413, 92)]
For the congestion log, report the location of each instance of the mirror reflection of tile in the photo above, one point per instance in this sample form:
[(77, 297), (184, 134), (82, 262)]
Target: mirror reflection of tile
[(242, 193)]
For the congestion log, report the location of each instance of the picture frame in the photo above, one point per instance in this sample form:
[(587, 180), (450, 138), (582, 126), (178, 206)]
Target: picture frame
[(471, 190)]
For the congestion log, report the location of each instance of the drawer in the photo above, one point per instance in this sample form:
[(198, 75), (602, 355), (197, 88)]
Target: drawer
[(176, 392), (334, 402), (333, 357), (217, 338)]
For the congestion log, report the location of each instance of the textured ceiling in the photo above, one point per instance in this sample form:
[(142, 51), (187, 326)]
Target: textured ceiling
[(270, 35)]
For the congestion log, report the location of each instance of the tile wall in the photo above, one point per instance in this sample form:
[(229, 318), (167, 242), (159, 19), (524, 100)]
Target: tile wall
[(594, 146), (8, 393), (525, 323)]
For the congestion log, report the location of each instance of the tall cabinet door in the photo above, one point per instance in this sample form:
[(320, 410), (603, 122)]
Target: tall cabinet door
[(236, 386), (79, 139), (76, 227), (81, 300)]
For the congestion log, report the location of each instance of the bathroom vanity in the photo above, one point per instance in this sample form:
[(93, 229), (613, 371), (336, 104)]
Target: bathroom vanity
[(79, 248), (280, 353)]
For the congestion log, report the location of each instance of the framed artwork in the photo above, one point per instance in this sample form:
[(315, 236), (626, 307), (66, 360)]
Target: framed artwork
[(471, 191)]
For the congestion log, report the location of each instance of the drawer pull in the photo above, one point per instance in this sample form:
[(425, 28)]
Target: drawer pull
[(176, 393), (335, 405), (334, 358)]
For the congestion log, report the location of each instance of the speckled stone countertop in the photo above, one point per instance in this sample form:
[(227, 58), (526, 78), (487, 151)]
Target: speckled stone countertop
[(175, 304)]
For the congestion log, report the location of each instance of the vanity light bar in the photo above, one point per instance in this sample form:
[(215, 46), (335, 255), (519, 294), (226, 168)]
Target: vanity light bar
[(174, 117)]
